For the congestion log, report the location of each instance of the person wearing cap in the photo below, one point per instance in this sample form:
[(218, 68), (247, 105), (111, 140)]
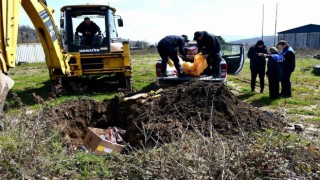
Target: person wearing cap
[(257, 64), (288, 67), (88, 29), (274, 71), (169, 46), (209, 44)]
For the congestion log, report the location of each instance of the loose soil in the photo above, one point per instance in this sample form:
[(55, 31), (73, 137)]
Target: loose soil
[(194, 106)]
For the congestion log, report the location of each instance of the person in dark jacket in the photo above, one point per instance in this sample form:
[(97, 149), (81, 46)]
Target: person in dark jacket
[(169, 46), (274, 72), (88, 29), (288, 67), (209, 44), (257, 64)]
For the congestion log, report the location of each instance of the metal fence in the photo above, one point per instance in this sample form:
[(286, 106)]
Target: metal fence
[(302, 40), (30, 53)]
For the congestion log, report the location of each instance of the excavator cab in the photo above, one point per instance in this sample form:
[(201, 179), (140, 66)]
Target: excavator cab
[(89, 29), (89, 34)]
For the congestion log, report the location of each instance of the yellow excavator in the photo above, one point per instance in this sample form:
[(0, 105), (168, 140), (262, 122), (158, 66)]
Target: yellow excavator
[(68, 53)]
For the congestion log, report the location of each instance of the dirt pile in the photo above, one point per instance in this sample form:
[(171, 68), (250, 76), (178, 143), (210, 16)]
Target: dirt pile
[(199, 107), (190, 107)]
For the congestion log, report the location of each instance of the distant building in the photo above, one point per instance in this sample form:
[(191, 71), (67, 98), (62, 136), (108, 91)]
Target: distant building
[(303, 37)]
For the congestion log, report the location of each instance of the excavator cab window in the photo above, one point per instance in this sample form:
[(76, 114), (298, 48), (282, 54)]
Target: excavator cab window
[(94, 25), (89, 29)]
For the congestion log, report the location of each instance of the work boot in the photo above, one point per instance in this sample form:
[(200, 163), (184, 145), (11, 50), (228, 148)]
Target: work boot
[(215, 76), (207, 72), (164, 74), (215, 72), (181, 75)]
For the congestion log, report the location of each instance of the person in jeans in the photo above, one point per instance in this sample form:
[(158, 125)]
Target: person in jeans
[(257, 64)]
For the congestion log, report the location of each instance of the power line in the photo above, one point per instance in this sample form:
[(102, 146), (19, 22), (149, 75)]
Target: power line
[(262, 21), (275, 26)]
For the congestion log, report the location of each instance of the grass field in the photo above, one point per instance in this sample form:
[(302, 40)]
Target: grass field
[(33, 78), (28, 153)]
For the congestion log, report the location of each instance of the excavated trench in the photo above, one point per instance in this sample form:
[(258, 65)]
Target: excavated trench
[(191, 106)]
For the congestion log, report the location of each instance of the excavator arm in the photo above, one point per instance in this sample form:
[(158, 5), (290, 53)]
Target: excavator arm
[(42, 18)]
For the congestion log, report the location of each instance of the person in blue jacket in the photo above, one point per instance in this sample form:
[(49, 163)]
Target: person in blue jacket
[(274, 71), (169, 46), (257, 64), (288, 67), (209, 44)]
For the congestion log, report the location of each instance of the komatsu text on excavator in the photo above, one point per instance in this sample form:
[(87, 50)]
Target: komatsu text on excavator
[(71, 52)]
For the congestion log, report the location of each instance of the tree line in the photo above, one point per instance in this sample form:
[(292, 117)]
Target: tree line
[(28, 34)]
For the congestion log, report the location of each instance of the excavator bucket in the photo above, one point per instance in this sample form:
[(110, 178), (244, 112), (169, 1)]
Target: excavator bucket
[(6, 84)]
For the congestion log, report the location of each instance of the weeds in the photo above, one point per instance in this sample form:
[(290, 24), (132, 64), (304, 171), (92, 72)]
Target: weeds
[(268, 155), (30, 150)]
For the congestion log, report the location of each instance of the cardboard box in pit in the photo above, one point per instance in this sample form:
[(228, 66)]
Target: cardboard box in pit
[(97, 145)]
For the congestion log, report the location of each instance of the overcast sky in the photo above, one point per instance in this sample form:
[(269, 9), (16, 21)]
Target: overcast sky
[(151, 20)]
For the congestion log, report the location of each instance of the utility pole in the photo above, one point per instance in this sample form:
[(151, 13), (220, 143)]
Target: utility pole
[(262, 21), (275, 26)]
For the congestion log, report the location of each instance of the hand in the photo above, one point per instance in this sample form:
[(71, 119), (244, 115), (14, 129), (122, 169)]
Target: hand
[(183, 56), (260, 54)]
